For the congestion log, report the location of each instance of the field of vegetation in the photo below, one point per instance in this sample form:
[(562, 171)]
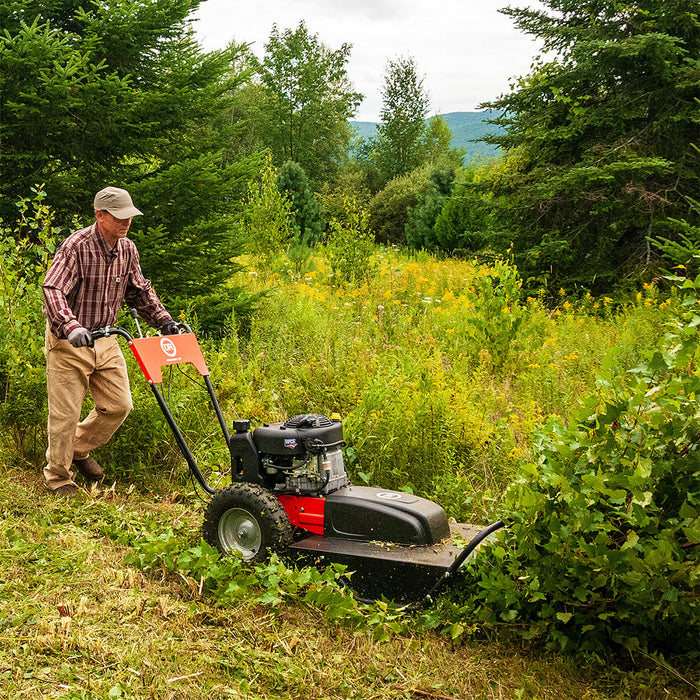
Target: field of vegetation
[(78, 623), (515, 338), (446, 375)]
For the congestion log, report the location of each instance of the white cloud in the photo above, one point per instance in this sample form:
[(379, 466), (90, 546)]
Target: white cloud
[(466, 49)]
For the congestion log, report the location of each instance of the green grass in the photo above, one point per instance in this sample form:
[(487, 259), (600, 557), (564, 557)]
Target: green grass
[(440, 371), (77, 622)]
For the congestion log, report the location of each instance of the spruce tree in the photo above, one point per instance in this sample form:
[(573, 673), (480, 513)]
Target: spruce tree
[(602, 136)]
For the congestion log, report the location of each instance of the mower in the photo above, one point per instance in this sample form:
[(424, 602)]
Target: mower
[(290, 493)]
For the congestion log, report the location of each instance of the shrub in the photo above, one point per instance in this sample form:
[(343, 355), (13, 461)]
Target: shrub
[(267, 218), (604, 524), (350, 245), (389, 208), (25, 251), (494, 324), (420, 225)]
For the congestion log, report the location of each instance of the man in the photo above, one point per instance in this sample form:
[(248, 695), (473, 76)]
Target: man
[(94, 271)]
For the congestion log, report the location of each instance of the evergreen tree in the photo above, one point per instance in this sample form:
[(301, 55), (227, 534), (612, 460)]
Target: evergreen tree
[(120, 94), (604, 133), (306, 209), (420, 226)]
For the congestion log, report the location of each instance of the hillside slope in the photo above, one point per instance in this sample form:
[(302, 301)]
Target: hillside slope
[(77, 621), (466, 127)]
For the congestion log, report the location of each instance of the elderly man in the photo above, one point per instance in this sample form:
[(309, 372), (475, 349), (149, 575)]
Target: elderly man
[(94, 271)]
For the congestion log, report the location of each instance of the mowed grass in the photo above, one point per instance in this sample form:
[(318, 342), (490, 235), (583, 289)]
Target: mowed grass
[(77, 622)]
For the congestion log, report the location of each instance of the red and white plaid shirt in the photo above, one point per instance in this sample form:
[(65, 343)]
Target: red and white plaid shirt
[(88, 281)]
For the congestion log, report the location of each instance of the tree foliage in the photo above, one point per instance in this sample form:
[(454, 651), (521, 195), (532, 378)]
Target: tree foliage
[(405, 107), (420, 224), (350, 246), (310, 100), (389, 208), (26, 248), (604, 129), (306, 209), (121, 94), (268, 217)]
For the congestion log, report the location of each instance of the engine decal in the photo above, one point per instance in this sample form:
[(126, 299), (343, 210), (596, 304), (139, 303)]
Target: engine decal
[(291, 443)]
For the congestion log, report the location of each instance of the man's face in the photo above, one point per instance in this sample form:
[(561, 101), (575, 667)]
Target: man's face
[(112, 228)]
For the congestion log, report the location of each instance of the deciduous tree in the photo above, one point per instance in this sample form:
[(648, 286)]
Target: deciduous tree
[(404, 110), (310, 101)]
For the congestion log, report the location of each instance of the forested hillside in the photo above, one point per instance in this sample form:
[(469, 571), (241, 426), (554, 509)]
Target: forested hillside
[(467, 129)]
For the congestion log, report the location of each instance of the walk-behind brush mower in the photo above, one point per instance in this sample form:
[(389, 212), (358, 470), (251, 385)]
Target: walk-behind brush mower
[(290, 493)]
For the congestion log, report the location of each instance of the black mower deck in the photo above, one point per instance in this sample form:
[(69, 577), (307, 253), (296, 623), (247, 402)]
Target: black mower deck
[(404, 574)]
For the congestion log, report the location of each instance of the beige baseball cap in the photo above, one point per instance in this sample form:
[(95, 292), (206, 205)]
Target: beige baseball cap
[(117, 202)]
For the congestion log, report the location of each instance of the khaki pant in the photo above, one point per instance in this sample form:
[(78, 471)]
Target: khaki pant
[(70, 374)]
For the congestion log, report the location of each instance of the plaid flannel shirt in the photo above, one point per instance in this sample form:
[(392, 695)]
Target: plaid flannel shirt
[(88, 282)]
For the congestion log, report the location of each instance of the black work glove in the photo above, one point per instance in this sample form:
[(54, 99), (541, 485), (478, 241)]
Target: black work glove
[(80, 338), (169, 327)]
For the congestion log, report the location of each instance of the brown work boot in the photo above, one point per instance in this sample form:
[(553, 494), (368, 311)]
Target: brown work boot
[(89, 468), (65, 490)]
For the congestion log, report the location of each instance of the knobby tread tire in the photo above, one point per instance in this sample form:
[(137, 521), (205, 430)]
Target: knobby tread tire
[(275, 528)]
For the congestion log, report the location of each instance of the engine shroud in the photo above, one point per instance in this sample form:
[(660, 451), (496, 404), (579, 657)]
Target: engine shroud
[(295, 436), (303, 455)]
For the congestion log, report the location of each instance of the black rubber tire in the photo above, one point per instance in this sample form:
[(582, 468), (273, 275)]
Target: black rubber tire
[(248, 519)]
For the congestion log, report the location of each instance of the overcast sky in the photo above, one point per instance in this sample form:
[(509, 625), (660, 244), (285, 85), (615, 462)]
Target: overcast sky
[(465, 49)]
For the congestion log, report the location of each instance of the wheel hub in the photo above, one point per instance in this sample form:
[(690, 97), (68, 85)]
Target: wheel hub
[(240, 532)]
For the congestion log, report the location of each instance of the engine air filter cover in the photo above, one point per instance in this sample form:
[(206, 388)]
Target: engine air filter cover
[(290, 437)]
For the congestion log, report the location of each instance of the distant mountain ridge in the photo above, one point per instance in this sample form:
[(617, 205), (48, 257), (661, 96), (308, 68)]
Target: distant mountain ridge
[(465, 128)]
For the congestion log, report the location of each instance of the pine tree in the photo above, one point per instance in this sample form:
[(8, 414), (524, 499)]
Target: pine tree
[(306, 209), (97, 94), (603, 133)]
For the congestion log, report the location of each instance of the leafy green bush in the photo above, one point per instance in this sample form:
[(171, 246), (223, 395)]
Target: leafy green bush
[(604, 524), (420, 224), (389, 208), (267, 217), (350, 245), (25, 251), (497, 313)]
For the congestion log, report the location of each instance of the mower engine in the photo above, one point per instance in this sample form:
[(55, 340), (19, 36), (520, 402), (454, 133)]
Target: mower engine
[(302, 456)]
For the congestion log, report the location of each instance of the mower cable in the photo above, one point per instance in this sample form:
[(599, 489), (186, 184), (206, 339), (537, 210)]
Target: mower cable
[(196, 488), (189, 376)]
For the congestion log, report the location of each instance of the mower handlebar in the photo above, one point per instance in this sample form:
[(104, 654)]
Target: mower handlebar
[(116, 330), (111, 330)]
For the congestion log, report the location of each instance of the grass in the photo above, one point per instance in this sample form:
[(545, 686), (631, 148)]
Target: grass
[(441, 371), (76, 622)]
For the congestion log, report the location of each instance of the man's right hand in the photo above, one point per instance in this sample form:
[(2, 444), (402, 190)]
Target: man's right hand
[(80, 338)]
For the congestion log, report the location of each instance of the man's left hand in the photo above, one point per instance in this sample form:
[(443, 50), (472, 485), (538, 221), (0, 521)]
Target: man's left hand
[(169, 327)]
